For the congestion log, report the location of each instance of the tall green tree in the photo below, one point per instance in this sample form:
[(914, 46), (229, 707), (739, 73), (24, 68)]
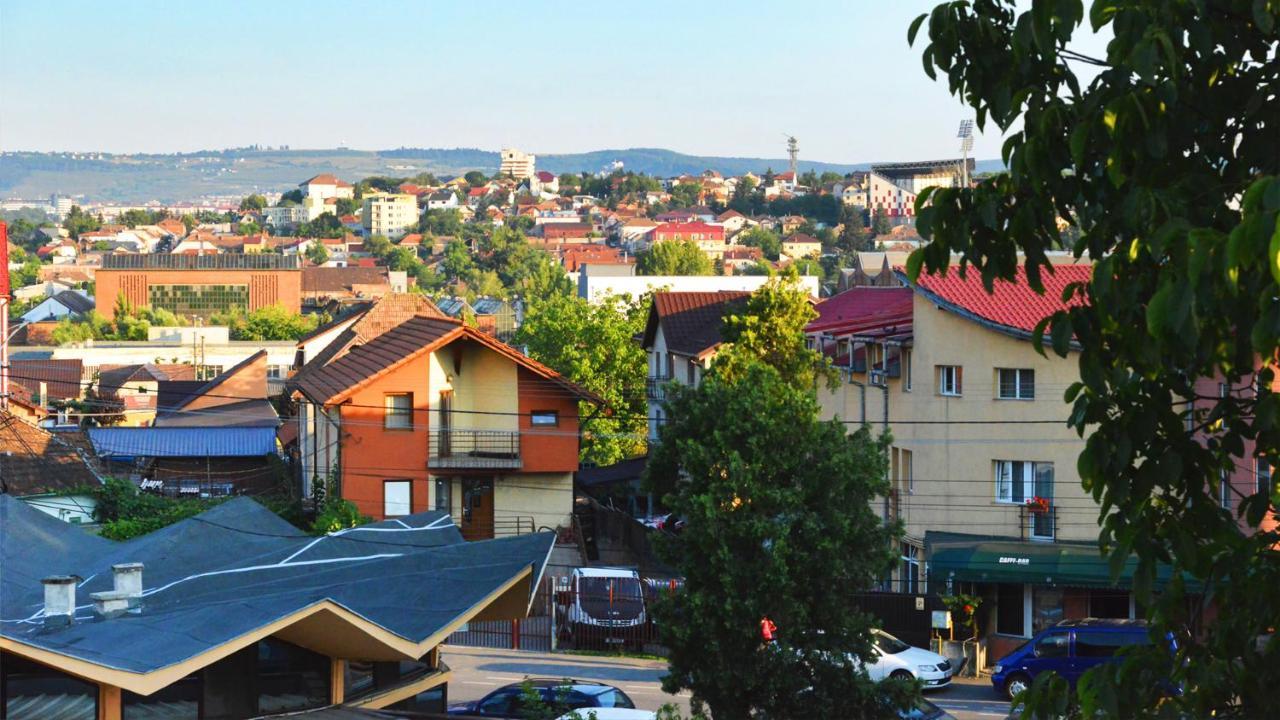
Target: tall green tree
[(769, 328), (673, 257), (779, 525), (880, 222), (78, 221), (316, 253), (593, 345), (767, 240), (685, 194), (1164, 155), (253, 202), (854, 236)]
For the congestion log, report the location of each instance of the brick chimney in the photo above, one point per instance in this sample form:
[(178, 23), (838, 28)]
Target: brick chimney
[(126, 595)]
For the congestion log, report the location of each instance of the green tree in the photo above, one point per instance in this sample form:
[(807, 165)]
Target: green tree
[(316, 253), (880, 222), (770, 329), (593, 345), (767, 240), (188, 222), (674, 257), (441, 222), (347, 206), (273, 322), (853, 234), (253, 202), (1165, 156), (326, 225), (457, 263), (249, 228), (475, 178), (134, 218), (291, 198), (685, 194), (78, 221), (774, 502)]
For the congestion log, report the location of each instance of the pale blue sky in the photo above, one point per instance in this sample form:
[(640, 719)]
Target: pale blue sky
[(713, 78)]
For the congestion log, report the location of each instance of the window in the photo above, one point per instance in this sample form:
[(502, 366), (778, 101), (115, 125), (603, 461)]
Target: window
[(1046, 608), (29, 689), (396, 498), (1101, 644), (949, 377), (1224, 489), (1265, 476), (904, 467), (544, 417), (1016, 384), (398, 413), (1053, 645), (289, 677), (198, 300), (1009, 610), (1018, 481), (910, 569), (444, 495)]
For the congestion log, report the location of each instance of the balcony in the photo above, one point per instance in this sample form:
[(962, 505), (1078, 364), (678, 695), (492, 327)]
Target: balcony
[(481, 449), (1038, 524), (655, 387)]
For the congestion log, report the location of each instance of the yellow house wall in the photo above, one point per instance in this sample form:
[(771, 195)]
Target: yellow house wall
[(546, 497), (482, 381), (953, 454)]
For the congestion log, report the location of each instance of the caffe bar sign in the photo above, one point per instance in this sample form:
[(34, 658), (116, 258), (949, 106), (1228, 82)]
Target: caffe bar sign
[(1012, 560)]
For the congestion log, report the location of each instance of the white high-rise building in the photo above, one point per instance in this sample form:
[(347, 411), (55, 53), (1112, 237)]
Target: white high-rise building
[(517, 164)]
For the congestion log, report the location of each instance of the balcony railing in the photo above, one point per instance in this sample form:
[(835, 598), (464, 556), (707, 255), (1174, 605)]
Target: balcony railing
[(655, 387), (475, 449), (1039, 524)]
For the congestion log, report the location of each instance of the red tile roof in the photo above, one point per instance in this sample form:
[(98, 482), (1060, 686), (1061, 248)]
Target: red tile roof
[(690, 321), (1013, 305), (864, 308)]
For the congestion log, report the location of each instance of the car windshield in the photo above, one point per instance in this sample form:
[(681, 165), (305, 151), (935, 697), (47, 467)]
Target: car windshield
[(888, 644), (922, 710), (610, 587)]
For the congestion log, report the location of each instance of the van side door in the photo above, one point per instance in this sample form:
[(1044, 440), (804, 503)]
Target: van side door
[(1095, 647), (1052, 651)]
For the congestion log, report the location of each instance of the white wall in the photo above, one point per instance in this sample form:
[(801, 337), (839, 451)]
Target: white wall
[(594, 288)]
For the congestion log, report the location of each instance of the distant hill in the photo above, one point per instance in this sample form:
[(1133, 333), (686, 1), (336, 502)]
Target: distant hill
[(237, 172)]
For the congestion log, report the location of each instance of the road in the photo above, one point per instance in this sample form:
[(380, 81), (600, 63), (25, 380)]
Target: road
[(480, 670)]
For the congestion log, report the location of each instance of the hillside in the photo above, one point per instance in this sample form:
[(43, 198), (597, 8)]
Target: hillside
[(236, 172)]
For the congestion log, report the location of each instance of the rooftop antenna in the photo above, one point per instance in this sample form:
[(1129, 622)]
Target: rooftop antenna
[(966, 146), (793, 151)]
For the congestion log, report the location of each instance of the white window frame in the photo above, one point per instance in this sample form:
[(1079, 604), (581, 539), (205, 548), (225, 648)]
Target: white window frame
[(1019, 384), (394, 417), (397, 495), (1028, 480), (909, 562), (955, 387), (905, 355), (1263, 470)]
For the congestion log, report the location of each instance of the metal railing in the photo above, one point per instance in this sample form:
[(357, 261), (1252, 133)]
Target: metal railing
[(655, 387), (1038, 524), (475, 449)]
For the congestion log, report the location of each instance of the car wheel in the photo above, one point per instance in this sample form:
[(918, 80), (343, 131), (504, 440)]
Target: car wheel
[(902, 675), (1015, 685)]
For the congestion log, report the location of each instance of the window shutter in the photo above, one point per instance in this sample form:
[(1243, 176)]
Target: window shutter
[(959, 379)]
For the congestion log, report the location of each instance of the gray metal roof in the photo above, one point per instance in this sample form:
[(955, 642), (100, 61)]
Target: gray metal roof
[(184, 441), (238, 567)]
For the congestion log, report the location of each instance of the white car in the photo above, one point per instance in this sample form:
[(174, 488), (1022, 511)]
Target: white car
[(609, 714), (895, 658)]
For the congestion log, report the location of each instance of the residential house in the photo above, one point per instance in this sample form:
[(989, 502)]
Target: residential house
[(442, 200), (544, 182), (436, 414), (622, 281), (217, 439), (280, 218), (567, 232), (135, 389), (738, 258), (983, 466), (64, 304), (492, 316), (681, 337), (50, 472), (245, 616), (635, 233), (709, 238), (63, 252), (733, 222), (322, 284), (788, 224), (38, 387), (801, 245), (325, 186)]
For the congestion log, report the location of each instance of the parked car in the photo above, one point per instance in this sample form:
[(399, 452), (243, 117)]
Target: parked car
[(609, 714), (925, 710), (604, 607), (1069, 648), (895, 658), (562, 694)]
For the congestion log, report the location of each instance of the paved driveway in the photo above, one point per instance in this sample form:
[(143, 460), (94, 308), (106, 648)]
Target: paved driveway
[(480, 670)]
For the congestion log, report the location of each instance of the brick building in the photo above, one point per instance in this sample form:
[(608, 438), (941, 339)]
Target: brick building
[(199, 285)]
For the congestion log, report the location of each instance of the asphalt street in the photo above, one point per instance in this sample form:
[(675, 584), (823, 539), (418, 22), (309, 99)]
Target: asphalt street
[(480, 670)]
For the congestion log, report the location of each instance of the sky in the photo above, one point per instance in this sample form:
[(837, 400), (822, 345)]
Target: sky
[(700, 77)]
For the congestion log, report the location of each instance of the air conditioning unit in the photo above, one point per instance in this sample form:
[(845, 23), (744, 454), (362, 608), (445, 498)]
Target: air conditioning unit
[(878, 378)]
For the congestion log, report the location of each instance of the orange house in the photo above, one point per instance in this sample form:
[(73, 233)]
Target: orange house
[(433, 414)]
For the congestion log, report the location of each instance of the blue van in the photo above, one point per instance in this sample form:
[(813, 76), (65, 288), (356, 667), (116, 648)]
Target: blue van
[(1069, 648)]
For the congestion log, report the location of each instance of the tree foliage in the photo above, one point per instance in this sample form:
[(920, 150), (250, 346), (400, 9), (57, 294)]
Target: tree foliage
[(1165, 162), (775, 501), (128, 322), (316, 253), (770, 329), (253, 202), (78, 221), (767, 240), (273, 322), (593, 345), (674, 257)]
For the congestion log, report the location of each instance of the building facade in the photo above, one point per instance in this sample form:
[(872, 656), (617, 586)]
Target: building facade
[(197, 286), (390, 214), (517, 164)]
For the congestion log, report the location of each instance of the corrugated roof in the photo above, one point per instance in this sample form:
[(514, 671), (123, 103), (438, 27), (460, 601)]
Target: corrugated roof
[(340, 279), (183, 441), (61, 377), (691, 321), (1011, 305)]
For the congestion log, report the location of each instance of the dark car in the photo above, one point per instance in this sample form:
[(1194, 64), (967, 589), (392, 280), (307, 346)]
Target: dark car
[(925, 710), (1069, 648), (560, 694)]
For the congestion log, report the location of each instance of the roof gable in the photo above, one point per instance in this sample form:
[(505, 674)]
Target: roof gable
[(1011, 306), (691, 321)]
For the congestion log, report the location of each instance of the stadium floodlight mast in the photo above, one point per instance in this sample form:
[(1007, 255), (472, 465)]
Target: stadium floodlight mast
[(965, 133)]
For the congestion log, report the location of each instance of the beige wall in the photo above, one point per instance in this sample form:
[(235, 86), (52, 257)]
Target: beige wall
[(481, 381), (547, 498), (952, 473)]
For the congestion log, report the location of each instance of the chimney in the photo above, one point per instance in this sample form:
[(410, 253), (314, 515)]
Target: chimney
[(59, 600), (126, 595)]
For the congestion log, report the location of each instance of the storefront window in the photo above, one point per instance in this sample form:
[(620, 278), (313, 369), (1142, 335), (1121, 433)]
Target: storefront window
[(1009, 610), (1046, 608)]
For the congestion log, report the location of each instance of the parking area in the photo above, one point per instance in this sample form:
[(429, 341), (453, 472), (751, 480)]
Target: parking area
[(480, 670)]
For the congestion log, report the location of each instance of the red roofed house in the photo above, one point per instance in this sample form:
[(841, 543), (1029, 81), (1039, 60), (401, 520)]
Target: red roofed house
[(681, 336), (983, 466), (567, 232), (709, 238), (433, 414)]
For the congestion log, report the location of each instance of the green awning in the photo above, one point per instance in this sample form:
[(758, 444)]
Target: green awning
[(1018, 561)]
